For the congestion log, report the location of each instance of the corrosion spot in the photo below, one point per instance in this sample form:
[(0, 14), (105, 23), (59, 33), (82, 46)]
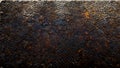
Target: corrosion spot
[(87, 14)]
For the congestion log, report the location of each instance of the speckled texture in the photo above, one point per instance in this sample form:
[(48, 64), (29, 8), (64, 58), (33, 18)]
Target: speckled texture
[(60, 34)]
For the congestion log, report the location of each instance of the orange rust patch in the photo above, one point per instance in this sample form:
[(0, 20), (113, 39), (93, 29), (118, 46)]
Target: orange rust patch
[(87, 14)]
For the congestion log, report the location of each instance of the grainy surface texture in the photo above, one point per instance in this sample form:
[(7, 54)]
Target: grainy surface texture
[(60, 34)]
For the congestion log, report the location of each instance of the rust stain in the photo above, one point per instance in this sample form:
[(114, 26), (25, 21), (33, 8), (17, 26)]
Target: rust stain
[(87, 15)]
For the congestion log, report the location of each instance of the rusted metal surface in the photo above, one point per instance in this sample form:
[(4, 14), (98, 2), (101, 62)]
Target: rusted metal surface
[(59, 34)]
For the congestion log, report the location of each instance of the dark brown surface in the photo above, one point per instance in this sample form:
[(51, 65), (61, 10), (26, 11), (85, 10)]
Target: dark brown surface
[(42, 35)]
